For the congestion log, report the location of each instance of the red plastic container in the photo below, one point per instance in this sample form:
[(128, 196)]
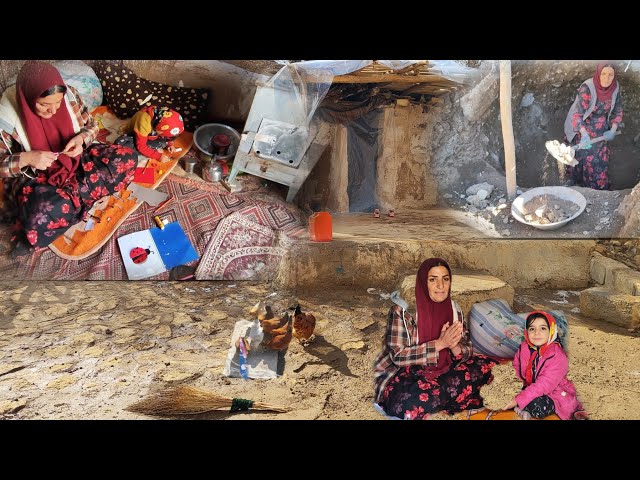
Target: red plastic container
[(321, 227)]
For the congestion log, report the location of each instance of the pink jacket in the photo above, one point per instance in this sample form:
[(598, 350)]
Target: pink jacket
[(551, 380)]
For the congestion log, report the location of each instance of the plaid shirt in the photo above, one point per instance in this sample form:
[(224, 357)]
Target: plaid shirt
[(401, 347), (11, 145)]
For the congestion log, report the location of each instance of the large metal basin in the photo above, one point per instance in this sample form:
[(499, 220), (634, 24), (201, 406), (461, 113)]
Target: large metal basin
[(202, 139), (564, 193)]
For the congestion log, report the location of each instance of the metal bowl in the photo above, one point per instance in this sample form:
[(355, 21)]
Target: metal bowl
[(565, 193), (202, 139)]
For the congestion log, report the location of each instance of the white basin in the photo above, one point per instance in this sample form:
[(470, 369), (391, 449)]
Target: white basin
[(564, 193)]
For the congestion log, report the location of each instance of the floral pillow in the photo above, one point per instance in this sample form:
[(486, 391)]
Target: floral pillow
[(82, 77), (498, 332), (125, 93)]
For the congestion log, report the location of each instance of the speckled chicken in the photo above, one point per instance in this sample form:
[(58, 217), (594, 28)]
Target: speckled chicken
[(280, 338), (303, 325)]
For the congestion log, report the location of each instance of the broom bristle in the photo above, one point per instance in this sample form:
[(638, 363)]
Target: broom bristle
[(187, 400)]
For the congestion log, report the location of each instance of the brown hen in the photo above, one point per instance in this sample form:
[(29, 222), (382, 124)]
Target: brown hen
[(280, 337), (268, 326), (303, 325)]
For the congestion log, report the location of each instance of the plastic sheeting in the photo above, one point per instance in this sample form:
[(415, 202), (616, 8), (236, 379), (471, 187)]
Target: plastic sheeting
[(362, 154), (309, 81)]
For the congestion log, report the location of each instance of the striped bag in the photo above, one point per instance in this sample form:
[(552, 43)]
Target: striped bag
[(496, 331)]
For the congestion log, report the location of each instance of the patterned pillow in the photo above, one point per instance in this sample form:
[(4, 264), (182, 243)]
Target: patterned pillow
[(124, 90), (80, 76), (496, 331)]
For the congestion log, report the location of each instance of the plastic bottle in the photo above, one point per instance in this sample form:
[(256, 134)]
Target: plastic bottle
[(320, 227)]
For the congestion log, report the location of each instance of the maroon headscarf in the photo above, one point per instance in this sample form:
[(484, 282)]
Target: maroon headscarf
[(432, 315), (46, 134), (604, 94)]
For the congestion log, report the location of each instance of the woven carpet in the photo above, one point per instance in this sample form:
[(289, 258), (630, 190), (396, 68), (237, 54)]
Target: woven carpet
[(198, 207), (244, 249), (76, 243)]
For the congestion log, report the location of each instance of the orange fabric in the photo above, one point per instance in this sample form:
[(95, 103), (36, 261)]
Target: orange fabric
[(487, 414), (76, 243)]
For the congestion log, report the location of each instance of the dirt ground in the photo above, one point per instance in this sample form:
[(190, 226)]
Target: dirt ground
[(87, 350), (598, 220)]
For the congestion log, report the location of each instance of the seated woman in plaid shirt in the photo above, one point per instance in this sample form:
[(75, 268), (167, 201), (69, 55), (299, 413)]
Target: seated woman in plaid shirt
[(52, 172), (427, 364)]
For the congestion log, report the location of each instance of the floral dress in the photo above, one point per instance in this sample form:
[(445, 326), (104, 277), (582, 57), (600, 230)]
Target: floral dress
[(41, 212), (45, 212), (401, 384), (593, 168)]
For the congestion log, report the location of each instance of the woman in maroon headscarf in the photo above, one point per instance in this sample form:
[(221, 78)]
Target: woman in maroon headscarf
[(597, 111), (427, 364), (57, 172)]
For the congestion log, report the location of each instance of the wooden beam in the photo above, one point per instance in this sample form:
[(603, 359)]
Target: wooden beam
[(430, 89), (390, 77), (507, 128)]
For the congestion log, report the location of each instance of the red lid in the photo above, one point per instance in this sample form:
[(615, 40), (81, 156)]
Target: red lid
[(221, 140)]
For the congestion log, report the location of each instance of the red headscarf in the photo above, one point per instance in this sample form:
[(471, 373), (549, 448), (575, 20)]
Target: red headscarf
[(432, 315), (537, 352), (604, 94), (46, 134)]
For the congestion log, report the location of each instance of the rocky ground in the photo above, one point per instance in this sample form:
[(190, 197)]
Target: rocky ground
[(87, 350), (492, 215)]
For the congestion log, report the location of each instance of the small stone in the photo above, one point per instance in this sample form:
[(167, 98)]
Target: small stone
[(163, 331), (356, 345), (12, 406), (62, 381)]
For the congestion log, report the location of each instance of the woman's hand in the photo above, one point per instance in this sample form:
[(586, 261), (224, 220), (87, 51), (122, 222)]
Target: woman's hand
[(585, 139), (511, 405), (74, 146), (450, 336), (37, 159), (610, 135)]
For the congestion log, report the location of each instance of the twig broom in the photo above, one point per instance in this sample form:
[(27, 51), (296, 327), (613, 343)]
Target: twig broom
[(186, 400)]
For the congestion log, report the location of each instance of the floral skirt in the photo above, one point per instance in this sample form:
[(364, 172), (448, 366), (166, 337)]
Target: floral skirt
[(44, 211), (410, 396), (592, 171)]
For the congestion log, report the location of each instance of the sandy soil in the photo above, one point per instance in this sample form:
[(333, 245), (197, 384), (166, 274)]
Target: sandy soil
[(87, 350)]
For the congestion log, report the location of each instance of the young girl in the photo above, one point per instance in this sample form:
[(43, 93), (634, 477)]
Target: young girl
[(542, 365), (150, 129)]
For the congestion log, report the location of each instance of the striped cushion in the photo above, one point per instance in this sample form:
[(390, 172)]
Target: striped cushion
[(496, 331)]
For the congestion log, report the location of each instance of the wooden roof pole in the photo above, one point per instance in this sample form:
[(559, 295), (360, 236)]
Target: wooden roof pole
[(507, 128)]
